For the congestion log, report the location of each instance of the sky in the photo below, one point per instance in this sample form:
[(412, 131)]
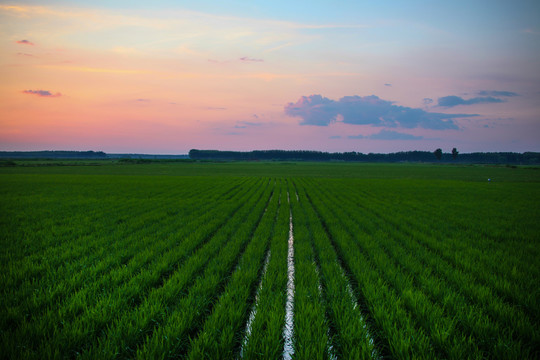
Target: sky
[(164, 77)]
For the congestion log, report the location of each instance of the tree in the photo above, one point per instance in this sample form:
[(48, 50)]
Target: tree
[(438, 154), (454, 153)]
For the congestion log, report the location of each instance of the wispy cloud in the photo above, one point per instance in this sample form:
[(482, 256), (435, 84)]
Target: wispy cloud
[(248, 59), (367, 110), (388, 84), (41, 93), (452, 100), (245, 124), (199, 33), (497, 93), (24, 42)]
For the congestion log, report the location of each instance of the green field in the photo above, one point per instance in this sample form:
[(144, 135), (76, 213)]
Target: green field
[(243, 260)]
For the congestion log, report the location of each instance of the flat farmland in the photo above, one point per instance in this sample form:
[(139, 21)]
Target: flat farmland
[(269, 260)]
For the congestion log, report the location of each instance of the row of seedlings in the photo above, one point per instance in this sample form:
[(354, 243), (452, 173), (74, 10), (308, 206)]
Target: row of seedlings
[(134, 280), (498, 327), (130, 327), (350, 336), (84, 328), (71, 222), (40, 314), (443, 321), (75, 252), (513, 276), (221, 334), (79, 281), (265, 338), (310, 325), (172, 337), (399, 335)]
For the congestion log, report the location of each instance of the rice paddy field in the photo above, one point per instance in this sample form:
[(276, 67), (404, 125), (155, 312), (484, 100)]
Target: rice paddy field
[(269, 261)]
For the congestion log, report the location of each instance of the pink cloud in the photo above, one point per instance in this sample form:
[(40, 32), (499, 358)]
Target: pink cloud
[(41, 93), (25, 42)]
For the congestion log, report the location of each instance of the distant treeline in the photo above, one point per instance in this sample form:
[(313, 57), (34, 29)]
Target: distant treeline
[(48, 154), (146, 157), (527, 158), (53, 155)]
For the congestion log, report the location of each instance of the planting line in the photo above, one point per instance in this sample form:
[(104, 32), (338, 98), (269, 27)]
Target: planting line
[(254, 307), (330, 347), (264, 213), (374, 353), (288, 349), (271, 196), (253, 311)]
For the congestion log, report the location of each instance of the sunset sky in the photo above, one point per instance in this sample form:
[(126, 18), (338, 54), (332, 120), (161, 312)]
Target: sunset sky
[(163, 77)]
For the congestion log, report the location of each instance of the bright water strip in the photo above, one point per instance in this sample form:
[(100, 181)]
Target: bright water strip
[(288, 349)]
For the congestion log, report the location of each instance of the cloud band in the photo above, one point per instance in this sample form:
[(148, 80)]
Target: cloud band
[(41, 93), (367, 110)]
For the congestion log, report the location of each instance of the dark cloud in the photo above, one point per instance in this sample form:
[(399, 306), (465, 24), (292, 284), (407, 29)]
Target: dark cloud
[(452, 100), (427, 101), (25, 42), (335, 137), (248, 59), (42, 93), (497, 93), (367, 110), (388, 135)]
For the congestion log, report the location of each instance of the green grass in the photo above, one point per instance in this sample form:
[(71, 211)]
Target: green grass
[(165, 260), (475, 173)]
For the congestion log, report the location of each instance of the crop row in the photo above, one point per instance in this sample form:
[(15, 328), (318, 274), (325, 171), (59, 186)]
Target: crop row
[(420, 302), (68, 326), (482, 230), (64, 271)]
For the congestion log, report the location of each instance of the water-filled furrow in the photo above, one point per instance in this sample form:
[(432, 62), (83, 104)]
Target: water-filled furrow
[(253, 311), (288, 329)]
